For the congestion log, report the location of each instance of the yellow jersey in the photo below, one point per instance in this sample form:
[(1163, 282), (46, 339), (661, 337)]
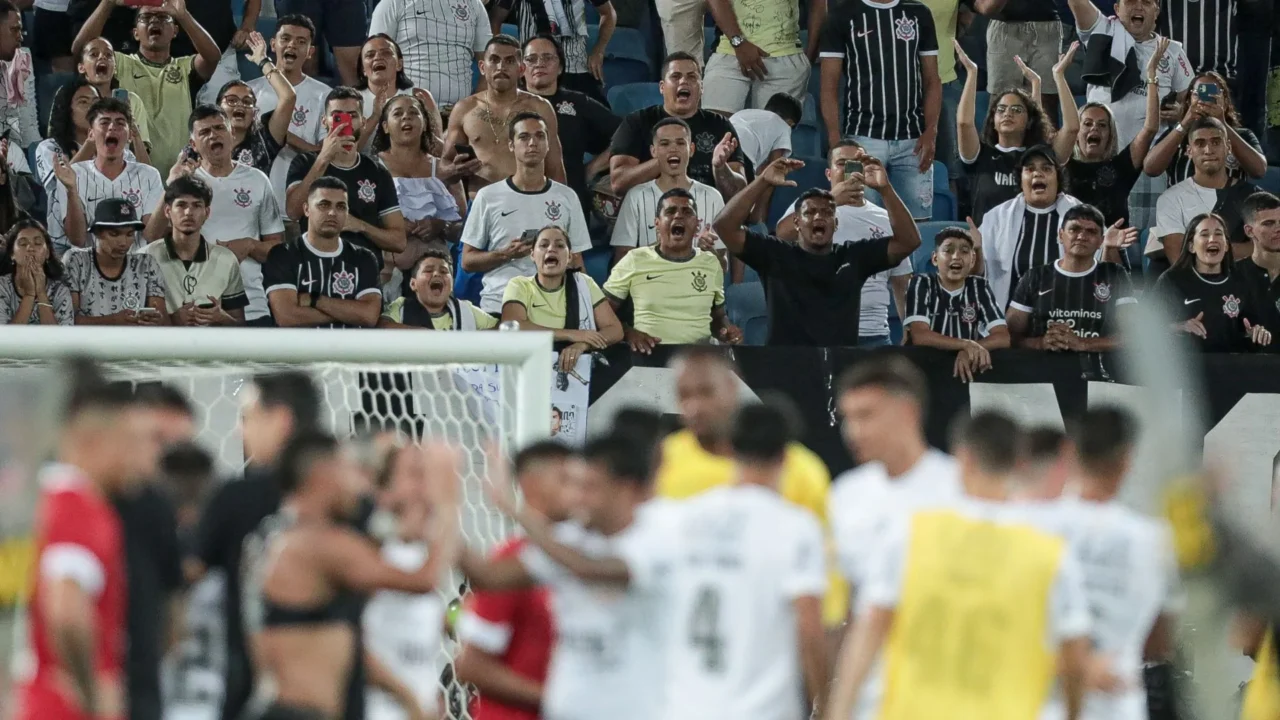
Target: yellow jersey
[(687, 470), (166, 92), (542, 306), (980, 605), (1262, 697), (673, 299), (443, 321)]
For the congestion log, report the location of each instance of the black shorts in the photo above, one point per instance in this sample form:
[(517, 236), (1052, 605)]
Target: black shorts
[(342, 23), (51, 34)]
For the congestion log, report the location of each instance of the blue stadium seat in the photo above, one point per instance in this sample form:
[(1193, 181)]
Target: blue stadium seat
[(709, 35), (237, 10), (981, 104), (945, 205), (941, 175), (267, 28), (921, 259), (46, 87), (624, 71), (627, 44), (806, 141), (596, 262), (1271, 181), (810, 117), (593, 15), (510, 29), (248, 71), (626, 99), (745, 305)]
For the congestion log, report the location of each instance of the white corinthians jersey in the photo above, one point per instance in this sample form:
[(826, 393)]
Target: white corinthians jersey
[(607, 659), (403, 631), (1130, 578), (734, 560), (192, 675)]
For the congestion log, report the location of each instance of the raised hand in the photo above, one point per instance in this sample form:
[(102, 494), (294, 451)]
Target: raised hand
[(257, 47), (724, 150), (775, 173), (24, 281), (1032, 76), (1153, 65), (974, 232), (1118, 236), (63, 172), (874, 174), (963, 57), (333, 142), (174, 8), (1064, 60)]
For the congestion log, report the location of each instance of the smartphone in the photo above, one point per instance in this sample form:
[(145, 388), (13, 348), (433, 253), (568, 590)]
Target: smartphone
[(190, 153), (342, 118), (463, 149), (147, 311), (851, 167), (529, 237), (206, 305), (1207, 93), (121, 94)]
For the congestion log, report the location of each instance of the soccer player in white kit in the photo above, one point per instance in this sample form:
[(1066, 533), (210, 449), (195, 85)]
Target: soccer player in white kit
[(1130, 573), (740, 573), (882, 403)]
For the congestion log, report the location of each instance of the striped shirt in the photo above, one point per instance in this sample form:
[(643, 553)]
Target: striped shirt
[(1085, 301), (1207, 30), (881, 46), (1038, 244), (138, 183), (532, 18), (439, 39), (970, 313), (636, 227)]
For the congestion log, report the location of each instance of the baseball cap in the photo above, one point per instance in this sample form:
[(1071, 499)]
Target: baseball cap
[(115, 212), (1044, 151)]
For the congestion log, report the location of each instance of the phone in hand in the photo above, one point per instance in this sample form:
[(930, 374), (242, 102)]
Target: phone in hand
[(344, 119), (121, 94), (460, 149), (1207, 93), (529, 237), (206, 305), (851, 167)]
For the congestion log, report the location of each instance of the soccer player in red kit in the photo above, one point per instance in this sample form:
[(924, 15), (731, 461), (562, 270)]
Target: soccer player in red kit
[(77, 613), (507, 636)]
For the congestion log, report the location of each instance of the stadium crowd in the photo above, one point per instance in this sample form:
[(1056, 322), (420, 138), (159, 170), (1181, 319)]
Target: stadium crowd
[(678, 173)]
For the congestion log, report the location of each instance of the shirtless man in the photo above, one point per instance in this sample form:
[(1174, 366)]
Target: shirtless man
[(480, 121), (305, 566)]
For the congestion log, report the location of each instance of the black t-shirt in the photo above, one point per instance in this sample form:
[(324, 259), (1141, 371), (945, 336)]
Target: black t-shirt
[(349, 274), (635, 136), (585, 126), (1027, 11), (1181, 167), (216, 18), (1104, 185), (1086, 302), (1264, 289), (1038, 244), (969, 313), (259, 148), (371, 193), (119, 27), (1226, 300), (993, 178), (235, 511), (814, 299), (154, 570)]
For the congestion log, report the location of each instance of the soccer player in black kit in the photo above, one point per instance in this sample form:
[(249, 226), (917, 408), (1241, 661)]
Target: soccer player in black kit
[(1208, 297), (1071, 303)]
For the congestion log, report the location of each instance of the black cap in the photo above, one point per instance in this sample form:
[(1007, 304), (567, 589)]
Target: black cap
[(115, 212), (1044, 151)]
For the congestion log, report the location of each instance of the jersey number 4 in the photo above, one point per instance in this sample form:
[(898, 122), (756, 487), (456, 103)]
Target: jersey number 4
[(704, 629)]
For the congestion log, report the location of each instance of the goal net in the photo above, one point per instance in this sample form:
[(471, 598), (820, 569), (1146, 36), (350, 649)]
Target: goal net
[(469, 389)]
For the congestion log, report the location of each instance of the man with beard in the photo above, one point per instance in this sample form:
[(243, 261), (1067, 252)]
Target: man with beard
[(1262, 225), (107, 175), (167, 85), (716, 161), (321, 279), (373, 221), (585, 126), (202, 280), (676, 289), (292, 46), (1072, 303), (243, 216), (478, 122), (815, 286)]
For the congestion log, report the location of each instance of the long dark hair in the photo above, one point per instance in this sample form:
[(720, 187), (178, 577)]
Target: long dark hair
[(1038, 132), (402, 80), (52, 265), (1187, 258), (1229, 111), (382, 139), (62, 127)]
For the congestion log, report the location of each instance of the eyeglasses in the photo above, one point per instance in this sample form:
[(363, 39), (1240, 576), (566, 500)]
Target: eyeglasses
[(1010, 110), (544, 59), (233, 101), (154, 18)]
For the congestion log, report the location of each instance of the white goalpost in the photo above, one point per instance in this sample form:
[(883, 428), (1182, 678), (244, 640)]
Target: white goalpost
[(469, 389)]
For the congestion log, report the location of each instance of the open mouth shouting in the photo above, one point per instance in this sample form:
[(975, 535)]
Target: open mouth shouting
[(672, 161), (288, 57), (684, 94), (1039, 186), (113, 141), (379, 66), (820, 228), (1214, 250), (102, 69), (436, 285), (552, 261), (1093, 142), (955, 268)]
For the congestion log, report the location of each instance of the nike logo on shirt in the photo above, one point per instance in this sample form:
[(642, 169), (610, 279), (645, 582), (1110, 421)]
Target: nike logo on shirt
[(651, 277), (1045, 292), (1188, 302), (506, 213), (864, 33)]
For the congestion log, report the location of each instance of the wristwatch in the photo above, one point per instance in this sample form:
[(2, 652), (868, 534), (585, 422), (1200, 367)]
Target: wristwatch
[(736, 40)]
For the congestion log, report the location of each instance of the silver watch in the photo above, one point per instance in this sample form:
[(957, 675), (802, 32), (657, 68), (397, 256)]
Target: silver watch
[(736, 40)]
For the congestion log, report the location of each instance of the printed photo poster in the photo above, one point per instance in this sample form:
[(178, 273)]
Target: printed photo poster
[(570, 393)]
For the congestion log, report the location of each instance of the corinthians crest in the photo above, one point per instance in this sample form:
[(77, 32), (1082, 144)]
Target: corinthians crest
[(1230, 306), (699, 281), (554, 210), (243, 198)]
